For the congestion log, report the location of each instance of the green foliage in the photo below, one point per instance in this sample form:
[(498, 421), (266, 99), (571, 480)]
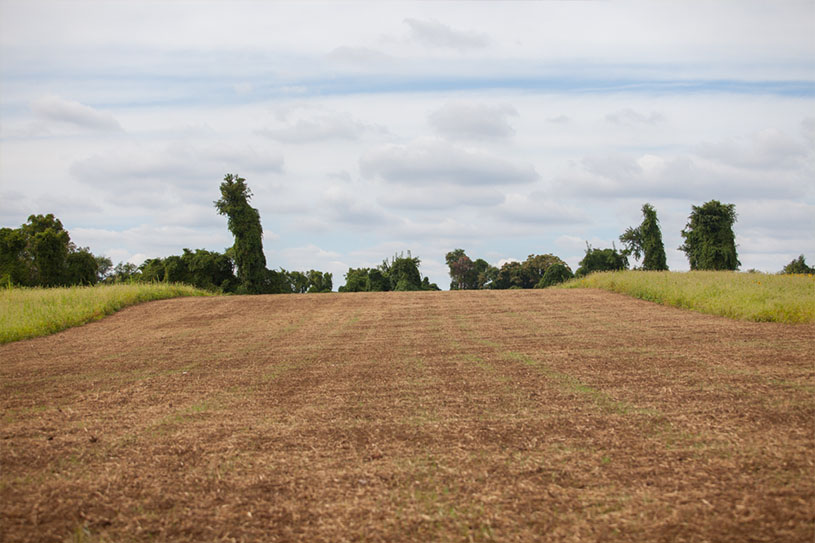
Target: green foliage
[(646, 241), (244, 223), (319, 281), (710, 243), (467, 274), (556, 273), (798, 266), (33, 312), (400, 273), (40, 253), (527, 274), (598, 260), (745, 296)]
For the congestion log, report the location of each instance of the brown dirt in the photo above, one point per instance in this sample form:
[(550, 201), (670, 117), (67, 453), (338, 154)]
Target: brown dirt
[(455, 416)]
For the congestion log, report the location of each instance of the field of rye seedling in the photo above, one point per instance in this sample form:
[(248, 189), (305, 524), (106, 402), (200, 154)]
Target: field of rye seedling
[(756, 297), (546, 415)]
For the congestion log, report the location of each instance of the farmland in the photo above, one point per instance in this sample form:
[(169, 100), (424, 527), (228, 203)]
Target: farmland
[(557, 415)]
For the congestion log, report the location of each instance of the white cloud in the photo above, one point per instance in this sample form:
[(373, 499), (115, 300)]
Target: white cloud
[(300, 125), (473, 121), (57, 109), (436, 34), (767, 150), (440, 197), (538, 209), (630, 117), (429, 162)]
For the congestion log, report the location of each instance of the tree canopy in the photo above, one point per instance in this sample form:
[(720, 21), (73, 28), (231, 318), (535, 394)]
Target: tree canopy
[(41, 253), (798, 265), (597, 260), (244, 223), (710, 243), (645, 241), (400, 273)]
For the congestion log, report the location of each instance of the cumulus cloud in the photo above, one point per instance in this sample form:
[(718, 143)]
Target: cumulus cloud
[(180, 165), (473, 121), (538, 209), (429, 162), (359, 56), (436, 34), (630, 117), (768, 149), (309, 126), (351, 210), (440, 197), (57, 109), (684, 176)]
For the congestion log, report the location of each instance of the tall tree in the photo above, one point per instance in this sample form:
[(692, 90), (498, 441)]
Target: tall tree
[(709, 240), (244, 223), (645, 241)]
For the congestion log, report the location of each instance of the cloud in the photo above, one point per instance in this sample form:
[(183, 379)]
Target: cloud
[(769, 149), (439, 197), (179, 165), (473, 121), (538, 209), (318, 127), (57, 109), (436, 34), (684, 176), (428, 162), (629, 117), (351, 210), (359, 56)]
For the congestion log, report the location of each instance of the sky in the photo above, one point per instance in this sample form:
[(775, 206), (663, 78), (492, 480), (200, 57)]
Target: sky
[(368, 129)]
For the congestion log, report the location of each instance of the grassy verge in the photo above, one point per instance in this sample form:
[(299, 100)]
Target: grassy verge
[(32, 312), (746, 296)]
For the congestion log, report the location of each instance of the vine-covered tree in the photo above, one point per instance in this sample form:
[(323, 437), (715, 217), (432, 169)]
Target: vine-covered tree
[(399, 273), (244, 223), (466, 274), (798, 266), (597, 260), (555, 274), (710, 243), (645, 241), (40, 254)]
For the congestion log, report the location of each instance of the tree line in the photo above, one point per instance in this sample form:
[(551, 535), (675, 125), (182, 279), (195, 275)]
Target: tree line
[(40, 253)]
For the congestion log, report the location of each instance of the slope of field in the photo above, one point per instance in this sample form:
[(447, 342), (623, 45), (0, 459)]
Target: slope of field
[(556, 415)]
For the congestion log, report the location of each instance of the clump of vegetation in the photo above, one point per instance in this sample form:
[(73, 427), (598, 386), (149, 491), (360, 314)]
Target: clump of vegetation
[(400, 273), (710, 243), (467, 274), (32, 312), (798, 266), (40, 253), (744, 296), (600, 260), (645, 241)]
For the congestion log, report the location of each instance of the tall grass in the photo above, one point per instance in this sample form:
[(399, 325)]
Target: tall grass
[(32, 312), (746, 296)]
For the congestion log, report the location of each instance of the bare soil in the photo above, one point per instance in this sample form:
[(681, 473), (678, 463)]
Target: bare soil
[(456, 416)]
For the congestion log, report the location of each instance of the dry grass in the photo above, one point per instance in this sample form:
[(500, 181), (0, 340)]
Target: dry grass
[(548, 415)]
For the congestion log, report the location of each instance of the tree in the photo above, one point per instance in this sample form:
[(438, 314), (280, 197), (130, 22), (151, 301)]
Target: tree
[(645, 241), (597, 260), (244, 223), (319, 281), (709, 240), (467, 274), (798, 265), (555, 274), (81, 268), (13, 267)]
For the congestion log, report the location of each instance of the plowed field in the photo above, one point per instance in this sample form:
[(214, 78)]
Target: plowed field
[(453, 416)]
